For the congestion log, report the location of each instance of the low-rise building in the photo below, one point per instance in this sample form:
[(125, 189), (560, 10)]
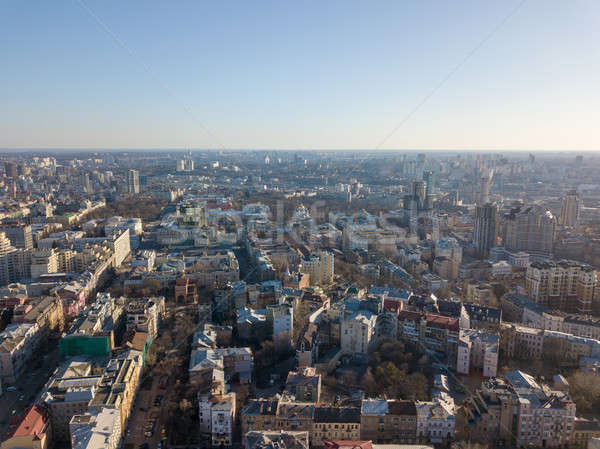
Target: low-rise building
[(96, 429), (335, 423), (388, 421), (304, 385), (436, 419), (31, 430)]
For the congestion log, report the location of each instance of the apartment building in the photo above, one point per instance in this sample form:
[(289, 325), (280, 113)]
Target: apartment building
[(30, 430), (281, 317), (235, 362), (519, 411), (430, 332), (217, 415), (46, 312), (96, 429), (357, 333), (18, 343), (521, 342), (267, 439), (564, 285), (259, 415), (92, 333), (79, 387), (304, 384), (145, 315), (320, 267), (436, 419), (388, 421), (477, 350), (335, 423), (43, 261)]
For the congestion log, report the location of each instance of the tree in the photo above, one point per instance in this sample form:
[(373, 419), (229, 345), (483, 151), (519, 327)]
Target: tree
[(585, 391), (499, 290)]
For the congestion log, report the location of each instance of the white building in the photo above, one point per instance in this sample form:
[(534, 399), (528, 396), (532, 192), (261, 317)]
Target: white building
[(436, 419), (357, 333), (479, 350), (96, 429), (217, 417), (282, 317), (501, 270)]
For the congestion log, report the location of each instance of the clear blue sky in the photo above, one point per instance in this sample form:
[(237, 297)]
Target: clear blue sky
[(299, 74)]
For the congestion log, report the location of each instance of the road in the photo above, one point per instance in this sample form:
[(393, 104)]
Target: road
[(30, 386)]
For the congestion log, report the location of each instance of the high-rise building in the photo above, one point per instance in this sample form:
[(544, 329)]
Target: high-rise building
[(569, 211), (565, 285), (7, 252), (530, 229), (11, 169), (485, 232), (320, 267), (133, 181), (429, 180), (20, 236)]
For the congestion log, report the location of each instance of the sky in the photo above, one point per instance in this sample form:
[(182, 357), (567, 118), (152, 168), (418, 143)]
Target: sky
[(339, 74)]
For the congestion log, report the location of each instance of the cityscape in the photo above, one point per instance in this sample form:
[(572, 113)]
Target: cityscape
[(317, 224), (330, 300)]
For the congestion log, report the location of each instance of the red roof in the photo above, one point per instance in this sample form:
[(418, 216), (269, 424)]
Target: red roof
[(433, 320), (391, 305), (443, 322), (348, 444), (31, 422)]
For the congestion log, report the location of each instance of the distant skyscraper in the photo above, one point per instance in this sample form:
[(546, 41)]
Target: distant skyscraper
[(11, 169), (569, 212), (428, 178), (485, 233), (133, 181)]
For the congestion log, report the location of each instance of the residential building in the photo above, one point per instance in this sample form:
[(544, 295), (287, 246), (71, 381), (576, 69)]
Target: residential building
[(388, 421), (564, 285), (259, 415), (529, 229), (518, 411), (31, 430), (320, 267), (96, 429), (436, 419), (485, 232), (570, 209), (19, 234), (268, 439), (217, 414), (133, 182), (282, 318), (477, 350), (335, 423), (585, 431), (18, 343), (430, 332), (235, 362), (304, 385), (357, 333)]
